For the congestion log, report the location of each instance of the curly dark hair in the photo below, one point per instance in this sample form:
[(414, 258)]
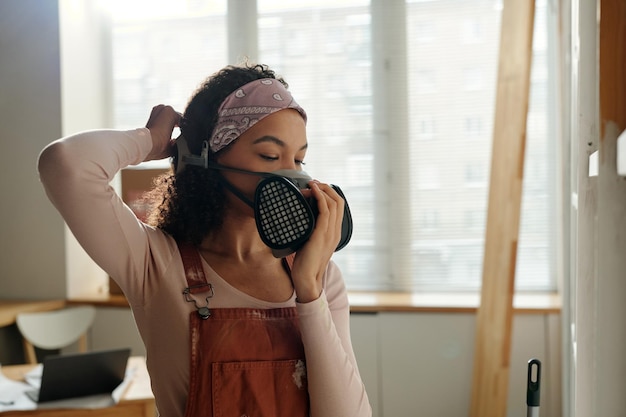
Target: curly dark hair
[(190, 204)]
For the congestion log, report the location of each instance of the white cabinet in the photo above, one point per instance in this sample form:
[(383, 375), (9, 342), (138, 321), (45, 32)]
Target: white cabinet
[(421, 364)]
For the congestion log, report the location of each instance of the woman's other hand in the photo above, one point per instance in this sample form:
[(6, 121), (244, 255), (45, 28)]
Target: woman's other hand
[(312, 259), (161, 123)]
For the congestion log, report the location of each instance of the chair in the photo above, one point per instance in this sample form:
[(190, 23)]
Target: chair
[(55, 329)]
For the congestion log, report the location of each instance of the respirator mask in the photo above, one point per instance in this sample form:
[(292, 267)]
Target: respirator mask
[(284, 217)]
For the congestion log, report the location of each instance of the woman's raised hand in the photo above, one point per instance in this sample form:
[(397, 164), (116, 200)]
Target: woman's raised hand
[(161, 123), (312, 259)]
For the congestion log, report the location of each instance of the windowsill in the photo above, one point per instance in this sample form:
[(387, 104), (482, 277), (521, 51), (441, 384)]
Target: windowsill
[(374, 302)]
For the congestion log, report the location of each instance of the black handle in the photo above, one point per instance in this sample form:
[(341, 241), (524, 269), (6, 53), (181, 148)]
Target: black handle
[(534, 385)]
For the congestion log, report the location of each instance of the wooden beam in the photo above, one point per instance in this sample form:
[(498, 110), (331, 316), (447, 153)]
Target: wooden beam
[(612, 80), (495, 313)]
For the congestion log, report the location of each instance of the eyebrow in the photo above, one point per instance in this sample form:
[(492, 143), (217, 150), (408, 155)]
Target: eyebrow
[(274, 139)]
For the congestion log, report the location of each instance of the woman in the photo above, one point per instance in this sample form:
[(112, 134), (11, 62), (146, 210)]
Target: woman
[(229, 329)]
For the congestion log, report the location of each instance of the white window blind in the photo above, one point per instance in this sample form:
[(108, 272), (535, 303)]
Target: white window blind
[(161, 51), (400, 97)]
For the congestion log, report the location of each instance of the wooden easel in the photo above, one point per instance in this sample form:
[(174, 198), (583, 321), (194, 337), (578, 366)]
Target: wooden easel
[(495, 313)]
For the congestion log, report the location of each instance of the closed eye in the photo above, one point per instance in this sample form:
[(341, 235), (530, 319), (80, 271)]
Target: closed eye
[(269, 158), (275, 158)]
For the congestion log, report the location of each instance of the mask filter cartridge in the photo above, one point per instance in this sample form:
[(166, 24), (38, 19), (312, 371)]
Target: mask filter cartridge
[(285, 218)]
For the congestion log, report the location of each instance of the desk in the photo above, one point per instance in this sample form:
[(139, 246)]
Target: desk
[(136, 401), (9, 309)]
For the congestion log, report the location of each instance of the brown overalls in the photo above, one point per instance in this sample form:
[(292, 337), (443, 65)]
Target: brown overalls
[(244, 362)]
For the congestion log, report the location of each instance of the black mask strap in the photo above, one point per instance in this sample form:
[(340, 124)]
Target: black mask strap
[(232, 188), (236, 191), (220, 167)]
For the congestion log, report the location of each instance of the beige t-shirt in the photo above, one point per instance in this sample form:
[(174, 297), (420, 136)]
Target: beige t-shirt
[(76, 172)]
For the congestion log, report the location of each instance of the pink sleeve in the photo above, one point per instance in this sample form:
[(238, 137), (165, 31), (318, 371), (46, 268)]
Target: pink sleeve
[(335, 386), (76, 172)]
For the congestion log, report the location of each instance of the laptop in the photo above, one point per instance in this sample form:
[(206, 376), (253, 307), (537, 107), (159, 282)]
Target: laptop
[(81, 374)]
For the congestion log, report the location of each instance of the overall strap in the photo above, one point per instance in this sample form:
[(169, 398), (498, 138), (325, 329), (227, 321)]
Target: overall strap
[(196, 280), (193, 267)]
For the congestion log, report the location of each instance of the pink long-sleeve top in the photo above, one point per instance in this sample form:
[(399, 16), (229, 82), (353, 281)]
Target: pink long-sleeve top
[(76, 172)]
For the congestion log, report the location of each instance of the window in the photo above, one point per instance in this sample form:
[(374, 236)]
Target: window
[(429, 173), (471, 30), (475, 174), (425, 32), (425, 129), (161, 58), (425, 81), (473, 127), (472, 79), (428, 176)]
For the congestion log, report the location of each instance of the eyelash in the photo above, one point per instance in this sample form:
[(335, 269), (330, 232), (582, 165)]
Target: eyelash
[(275, 158)]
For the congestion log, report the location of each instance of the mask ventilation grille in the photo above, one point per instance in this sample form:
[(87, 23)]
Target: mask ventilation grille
[(284, 219)]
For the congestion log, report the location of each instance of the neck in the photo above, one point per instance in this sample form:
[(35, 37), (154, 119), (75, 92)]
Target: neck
[(237, 239)]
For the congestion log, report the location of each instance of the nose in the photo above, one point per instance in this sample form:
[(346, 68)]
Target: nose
[(290, 164)]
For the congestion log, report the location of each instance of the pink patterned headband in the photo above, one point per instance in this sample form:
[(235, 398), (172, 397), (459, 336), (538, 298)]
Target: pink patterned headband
[(246, 106)]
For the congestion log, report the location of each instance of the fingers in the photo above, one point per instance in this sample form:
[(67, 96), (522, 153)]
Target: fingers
[(330, 206), (163, 115), (312, 259), (161, 123)]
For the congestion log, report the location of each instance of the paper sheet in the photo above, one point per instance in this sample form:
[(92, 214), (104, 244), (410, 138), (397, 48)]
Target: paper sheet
[(13, 394)]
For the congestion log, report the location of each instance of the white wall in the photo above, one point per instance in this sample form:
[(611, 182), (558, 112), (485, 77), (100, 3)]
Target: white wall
[(45, 93), (420, 364), (32, 259), (597, 284)]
